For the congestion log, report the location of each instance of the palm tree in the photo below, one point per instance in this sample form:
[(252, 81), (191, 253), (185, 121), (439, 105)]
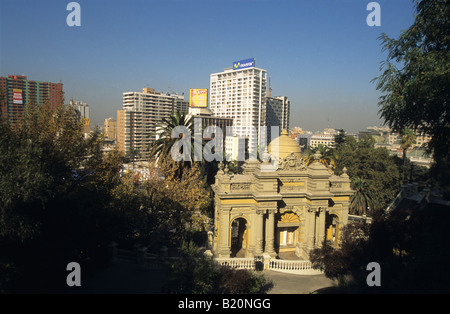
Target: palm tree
[(408, 138), (132, 155), (327, 155), (163, 145), (362, 201)]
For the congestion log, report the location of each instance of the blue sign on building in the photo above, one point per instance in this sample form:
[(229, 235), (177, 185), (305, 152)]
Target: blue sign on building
[(247, 63)]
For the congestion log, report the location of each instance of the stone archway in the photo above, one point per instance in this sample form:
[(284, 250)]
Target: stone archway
[(287, 232), (332, 229), (239, 237)]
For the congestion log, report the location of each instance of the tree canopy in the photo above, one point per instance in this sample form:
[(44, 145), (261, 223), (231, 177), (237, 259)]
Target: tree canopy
[(375, 166), (163, 145), (415, 83), (62, 199), (54, 196), (415, 80), (197, 273)]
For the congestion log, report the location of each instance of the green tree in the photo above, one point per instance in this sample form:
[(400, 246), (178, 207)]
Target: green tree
[(415, 81), (340, 137), (404, 243), (408, 138), (362, 201), (379, 169), (161, 148), (43, 156), (327, 155), (54, 199), (194, 272), (344, 263), (163, 145), (165, 204), (132, 155)]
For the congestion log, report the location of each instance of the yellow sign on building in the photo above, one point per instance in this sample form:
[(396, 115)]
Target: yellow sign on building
[(198, 97)]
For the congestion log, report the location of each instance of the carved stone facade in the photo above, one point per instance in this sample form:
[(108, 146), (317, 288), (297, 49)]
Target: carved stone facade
[(290, 209)]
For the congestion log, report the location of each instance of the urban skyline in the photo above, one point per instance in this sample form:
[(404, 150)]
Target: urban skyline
[(320, 55), (224, 147)]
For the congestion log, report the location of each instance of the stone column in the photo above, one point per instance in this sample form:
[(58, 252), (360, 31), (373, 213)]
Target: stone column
[(251, 227), (316, 226), (217, 227), (320, 222), (270, 233), (311, 229), (259, 232), (224, 247), (338, 234)]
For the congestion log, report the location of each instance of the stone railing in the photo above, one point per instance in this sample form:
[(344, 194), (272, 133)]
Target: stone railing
[(290, 266), (238, 263), (161, 261), (300, 267)]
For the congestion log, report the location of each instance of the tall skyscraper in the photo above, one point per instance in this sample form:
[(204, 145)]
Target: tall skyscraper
[(141, 114), (82, 110), (277, 114), (121, 130), (110, 128), (240, 93), (81, 107), (203, 118), (16, 91)]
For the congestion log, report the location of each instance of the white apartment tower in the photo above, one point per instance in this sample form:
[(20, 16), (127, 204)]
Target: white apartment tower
[(82, 111), (81, 107), (141, 114), (240, 93)]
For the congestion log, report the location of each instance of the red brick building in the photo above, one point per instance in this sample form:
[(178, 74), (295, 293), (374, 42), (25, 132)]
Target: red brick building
[(16, 91)]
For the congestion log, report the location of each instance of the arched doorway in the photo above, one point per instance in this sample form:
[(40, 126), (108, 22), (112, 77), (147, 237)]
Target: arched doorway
[(239, 237), (332, 229), (287, 235)]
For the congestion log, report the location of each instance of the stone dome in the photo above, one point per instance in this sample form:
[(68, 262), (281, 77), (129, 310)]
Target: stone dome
[(286, 146)]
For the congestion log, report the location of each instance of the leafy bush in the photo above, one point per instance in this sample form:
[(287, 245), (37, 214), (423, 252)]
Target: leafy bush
[(196, 273)]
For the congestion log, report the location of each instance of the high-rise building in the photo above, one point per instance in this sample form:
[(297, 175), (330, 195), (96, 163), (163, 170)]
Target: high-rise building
[(121, 130), (277, 114), (110, 128), (81, 107), (82, 110), (203, 118), (240, 93), (141, 114), (16, 91)]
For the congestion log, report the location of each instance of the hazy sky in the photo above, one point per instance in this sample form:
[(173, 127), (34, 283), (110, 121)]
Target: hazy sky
[(319, 53)]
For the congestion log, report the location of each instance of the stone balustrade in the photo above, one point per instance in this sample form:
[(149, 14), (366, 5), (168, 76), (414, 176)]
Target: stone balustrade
[(300, 267), (238, 263), (266, 262)]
